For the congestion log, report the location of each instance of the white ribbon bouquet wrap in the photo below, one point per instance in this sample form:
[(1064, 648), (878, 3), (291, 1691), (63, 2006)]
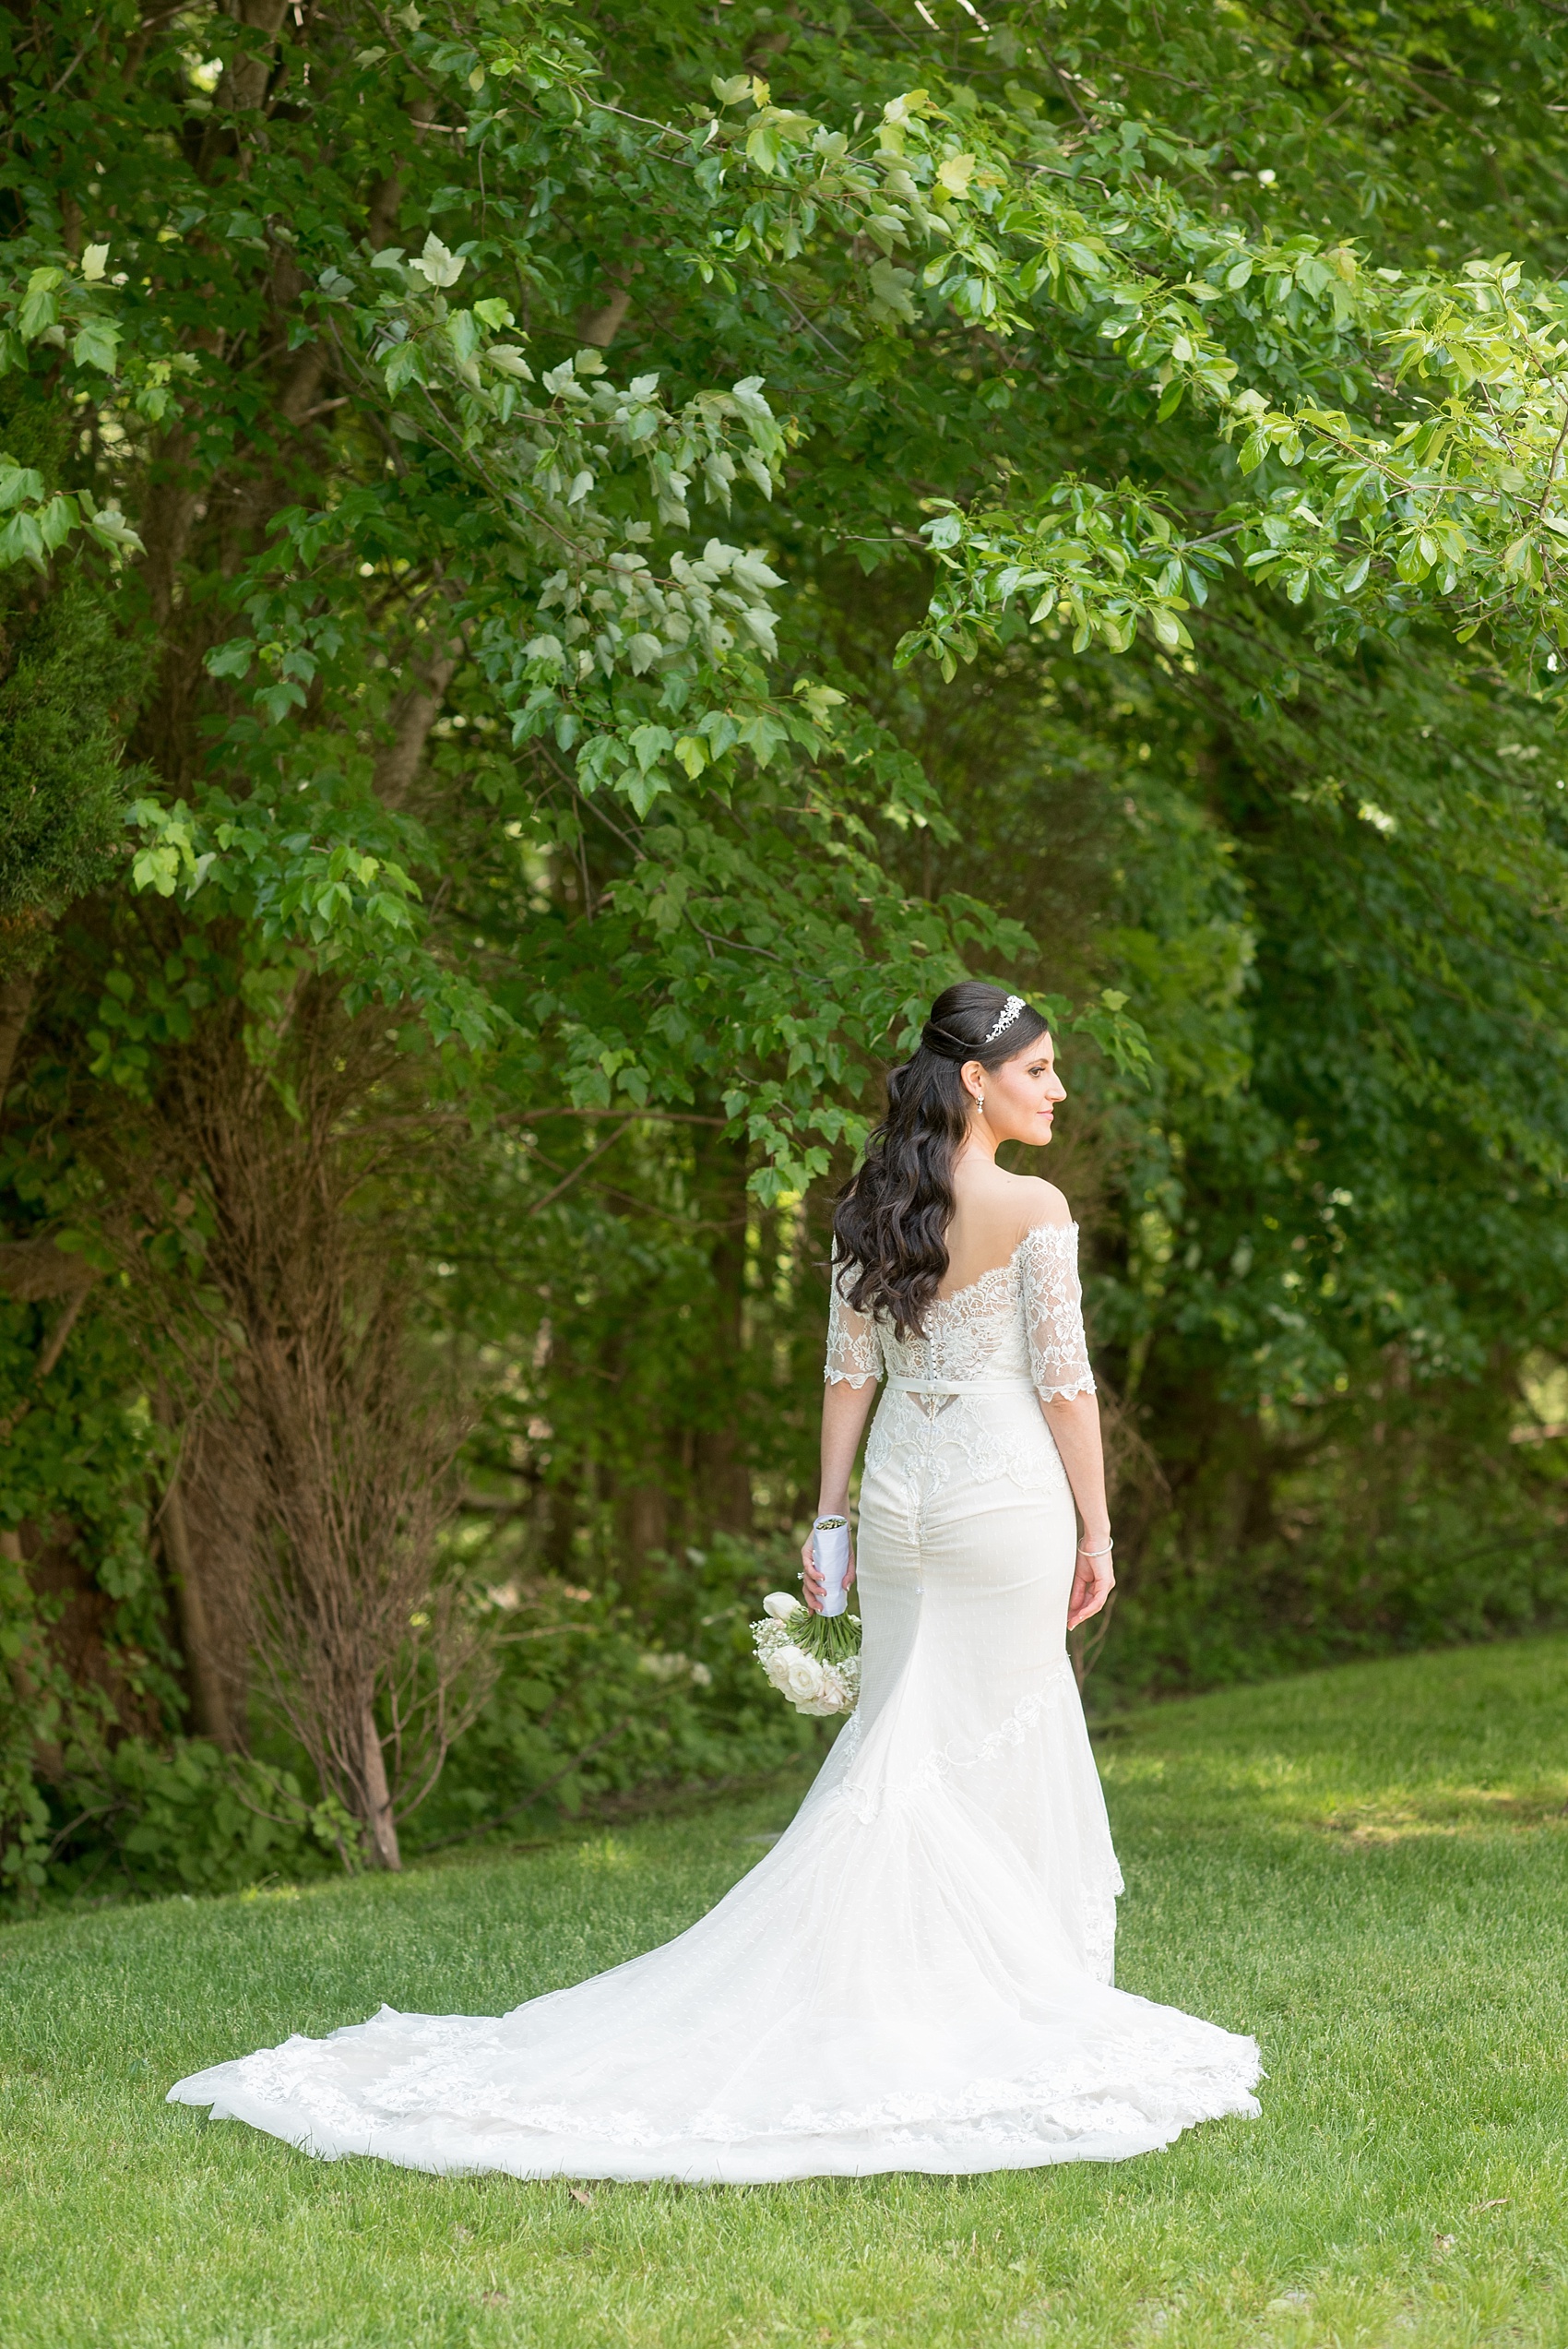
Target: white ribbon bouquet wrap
[(815, 1659), (830, 1552)]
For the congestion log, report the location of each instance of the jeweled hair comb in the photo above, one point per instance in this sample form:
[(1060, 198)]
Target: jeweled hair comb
[(1009, 1012)]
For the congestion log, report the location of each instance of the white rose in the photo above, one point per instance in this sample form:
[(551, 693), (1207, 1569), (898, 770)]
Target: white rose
[(796, 1673), (781, 1605)]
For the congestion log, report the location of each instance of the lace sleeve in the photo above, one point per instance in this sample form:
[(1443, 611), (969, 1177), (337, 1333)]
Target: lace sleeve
[(854, 1349), (1054, 1312)]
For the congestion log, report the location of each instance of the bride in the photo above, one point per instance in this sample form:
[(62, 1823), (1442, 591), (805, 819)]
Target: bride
[(918, 1976)]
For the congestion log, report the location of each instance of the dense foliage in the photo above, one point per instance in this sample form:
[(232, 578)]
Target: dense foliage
[(565, 573)]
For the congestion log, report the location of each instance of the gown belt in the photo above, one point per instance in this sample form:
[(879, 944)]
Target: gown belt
[(900, 1386)]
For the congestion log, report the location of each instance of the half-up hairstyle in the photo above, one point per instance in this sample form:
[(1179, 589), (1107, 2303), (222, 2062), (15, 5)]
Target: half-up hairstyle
[(892, 1218)]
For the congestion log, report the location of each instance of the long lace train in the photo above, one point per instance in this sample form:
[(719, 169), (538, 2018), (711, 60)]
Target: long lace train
[(882, 1992)]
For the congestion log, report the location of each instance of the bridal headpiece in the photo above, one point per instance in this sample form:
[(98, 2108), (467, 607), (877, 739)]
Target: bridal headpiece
[(1005, 1017)]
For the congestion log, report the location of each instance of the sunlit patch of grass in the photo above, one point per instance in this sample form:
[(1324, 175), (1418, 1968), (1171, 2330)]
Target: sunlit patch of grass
[(1368, 1867), (1451, 1810)]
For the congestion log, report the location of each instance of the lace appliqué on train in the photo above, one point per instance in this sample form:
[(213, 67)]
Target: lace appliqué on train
[(1109, 2092), (869, 1801)]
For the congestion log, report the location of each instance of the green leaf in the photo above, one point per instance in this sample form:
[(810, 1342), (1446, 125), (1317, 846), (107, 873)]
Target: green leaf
[(95, 345), (436, 266), (890, 290), (642, 789), (404, 366), (19, 484), (231, 660), (650, 742), (38, 308)]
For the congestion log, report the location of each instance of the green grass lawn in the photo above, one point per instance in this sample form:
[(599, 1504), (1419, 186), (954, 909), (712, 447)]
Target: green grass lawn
[(1367, 1867)]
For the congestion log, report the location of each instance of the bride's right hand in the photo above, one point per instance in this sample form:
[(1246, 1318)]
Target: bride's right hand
[(811, 1581)]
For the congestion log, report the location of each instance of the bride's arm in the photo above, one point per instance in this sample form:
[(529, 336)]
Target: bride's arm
[(1059, 1365), (852, 1369), (845, 1410), (1074, 1420)]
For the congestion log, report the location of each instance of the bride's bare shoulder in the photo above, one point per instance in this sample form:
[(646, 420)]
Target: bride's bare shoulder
[(997, 1209), (1038, 1202)]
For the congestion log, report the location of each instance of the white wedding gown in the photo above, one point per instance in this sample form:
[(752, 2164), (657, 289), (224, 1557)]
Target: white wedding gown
[(917, 1976)]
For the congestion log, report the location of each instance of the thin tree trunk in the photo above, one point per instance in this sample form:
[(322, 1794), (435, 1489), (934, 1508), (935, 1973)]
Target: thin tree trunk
[(378, 1799), (416, 712), (209, 1704), (244, 85), (220, 1496), (16, 1002), (644, 1528), (601, 322), (724, 1491)]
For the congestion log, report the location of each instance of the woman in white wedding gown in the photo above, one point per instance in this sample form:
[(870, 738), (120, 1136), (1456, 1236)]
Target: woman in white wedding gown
[(918, 1976)]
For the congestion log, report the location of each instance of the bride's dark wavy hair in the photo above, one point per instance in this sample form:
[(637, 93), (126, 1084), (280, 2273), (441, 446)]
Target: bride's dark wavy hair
[(892, 1217)]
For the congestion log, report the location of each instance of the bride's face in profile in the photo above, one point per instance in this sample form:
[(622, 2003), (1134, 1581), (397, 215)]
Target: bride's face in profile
[(1020, 1096)]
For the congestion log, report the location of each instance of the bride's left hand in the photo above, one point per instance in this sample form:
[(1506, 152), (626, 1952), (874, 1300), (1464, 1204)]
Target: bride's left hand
[(1093, 1582)]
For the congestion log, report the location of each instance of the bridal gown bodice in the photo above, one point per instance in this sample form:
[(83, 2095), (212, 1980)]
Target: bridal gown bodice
[(962, 1401), (918, 1977)]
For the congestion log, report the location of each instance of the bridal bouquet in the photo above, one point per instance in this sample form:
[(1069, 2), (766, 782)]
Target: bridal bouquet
[(814, 1660)]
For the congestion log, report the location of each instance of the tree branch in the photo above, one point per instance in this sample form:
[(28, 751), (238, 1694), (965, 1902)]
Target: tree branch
[(32, 1271)]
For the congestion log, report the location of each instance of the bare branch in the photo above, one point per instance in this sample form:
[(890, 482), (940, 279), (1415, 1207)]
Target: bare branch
[(35, 1271)]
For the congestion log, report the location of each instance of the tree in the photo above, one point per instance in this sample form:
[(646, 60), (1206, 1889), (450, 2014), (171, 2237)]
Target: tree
[(487, 423)]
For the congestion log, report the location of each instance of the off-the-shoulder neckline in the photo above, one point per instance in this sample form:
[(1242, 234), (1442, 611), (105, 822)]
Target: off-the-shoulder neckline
[(998, 1272)]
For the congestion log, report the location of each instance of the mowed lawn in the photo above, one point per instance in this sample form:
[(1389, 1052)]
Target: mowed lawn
[(1367, 1867)]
